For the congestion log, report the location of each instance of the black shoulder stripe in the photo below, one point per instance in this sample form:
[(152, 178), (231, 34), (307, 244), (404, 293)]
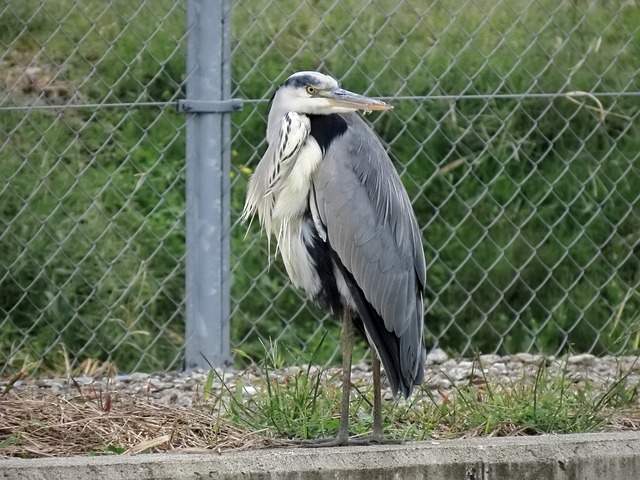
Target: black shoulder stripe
[(327, 128)]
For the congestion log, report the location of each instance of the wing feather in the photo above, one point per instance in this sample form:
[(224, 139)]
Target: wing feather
[(371, 226)]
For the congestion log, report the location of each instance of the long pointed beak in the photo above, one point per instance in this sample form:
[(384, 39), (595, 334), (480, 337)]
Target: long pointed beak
[(343, 98)]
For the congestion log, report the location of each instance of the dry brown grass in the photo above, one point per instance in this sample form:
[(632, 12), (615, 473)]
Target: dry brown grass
[(60, 417), (42, 424)]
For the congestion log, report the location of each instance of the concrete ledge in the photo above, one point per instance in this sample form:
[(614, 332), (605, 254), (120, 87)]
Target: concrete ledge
[(613, 456)]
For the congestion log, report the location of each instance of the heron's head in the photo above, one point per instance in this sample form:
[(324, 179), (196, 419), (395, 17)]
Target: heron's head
[(315, 93)]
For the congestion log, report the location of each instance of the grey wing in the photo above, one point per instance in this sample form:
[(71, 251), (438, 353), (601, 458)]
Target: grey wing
[(370, 224)]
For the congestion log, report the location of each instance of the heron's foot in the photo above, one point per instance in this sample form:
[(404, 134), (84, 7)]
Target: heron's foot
[(324, 442), (344, 442)]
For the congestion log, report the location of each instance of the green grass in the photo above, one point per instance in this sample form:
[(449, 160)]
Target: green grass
[(304, 404), (300, 406), (528, 207)]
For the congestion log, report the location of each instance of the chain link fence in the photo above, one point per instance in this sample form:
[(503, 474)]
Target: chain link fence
[(515, 129), (91, 195)]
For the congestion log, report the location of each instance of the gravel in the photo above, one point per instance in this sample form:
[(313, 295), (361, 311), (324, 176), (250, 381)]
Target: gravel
[(442, 374)]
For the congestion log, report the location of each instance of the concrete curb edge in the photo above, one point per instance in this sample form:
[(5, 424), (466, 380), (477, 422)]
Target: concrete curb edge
[(584, 456)]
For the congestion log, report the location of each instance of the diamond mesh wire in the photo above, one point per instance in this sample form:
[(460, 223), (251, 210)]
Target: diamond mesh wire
[(91, 223), (515, 130)]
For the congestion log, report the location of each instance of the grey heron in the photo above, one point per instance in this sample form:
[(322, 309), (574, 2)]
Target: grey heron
[(345, 228)]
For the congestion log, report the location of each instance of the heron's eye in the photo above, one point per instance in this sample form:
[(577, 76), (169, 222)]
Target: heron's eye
[(311, 90)]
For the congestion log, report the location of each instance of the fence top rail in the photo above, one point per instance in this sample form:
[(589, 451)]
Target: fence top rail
[(413, 98)]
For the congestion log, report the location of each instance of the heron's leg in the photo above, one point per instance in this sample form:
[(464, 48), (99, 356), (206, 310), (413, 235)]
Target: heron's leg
[(347, 351), (377, 435), (343, 430), (342, 439)]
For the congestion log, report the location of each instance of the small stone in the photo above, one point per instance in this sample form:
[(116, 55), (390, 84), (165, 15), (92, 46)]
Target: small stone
[(582, 359), (249, 390), (449, 364), (44, 383), (629, 364), (499, 368), (437, 357), (170, 399), (489, 359), (157, 386), (463, 371), (466, 364), (136, 377), (198, 377), (523, 357)]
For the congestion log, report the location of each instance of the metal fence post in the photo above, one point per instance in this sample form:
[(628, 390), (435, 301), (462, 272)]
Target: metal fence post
[(207, 184)]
